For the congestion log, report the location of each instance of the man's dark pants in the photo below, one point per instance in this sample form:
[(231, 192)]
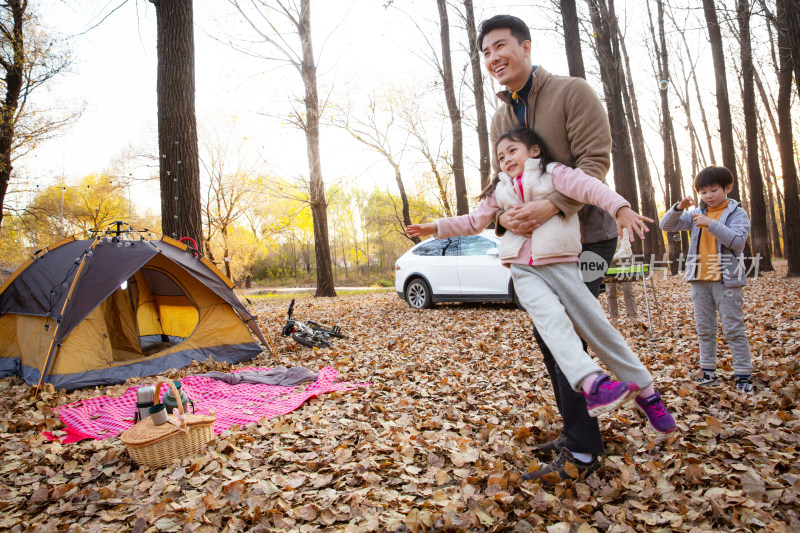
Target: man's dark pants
[(581, 430)]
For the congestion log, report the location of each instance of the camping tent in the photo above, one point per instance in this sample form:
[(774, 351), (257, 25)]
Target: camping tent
[(124, 303)]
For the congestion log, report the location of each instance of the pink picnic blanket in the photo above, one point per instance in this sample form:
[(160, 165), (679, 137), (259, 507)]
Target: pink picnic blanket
[(104, 417)]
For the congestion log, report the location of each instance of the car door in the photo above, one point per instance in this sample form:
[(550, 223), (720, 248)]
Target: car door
[(479, 268), (437, 260)]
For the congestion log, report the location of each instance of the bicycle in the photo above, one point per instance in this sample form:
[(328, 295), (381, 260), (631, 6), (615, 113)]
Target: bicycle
[(309, 333)]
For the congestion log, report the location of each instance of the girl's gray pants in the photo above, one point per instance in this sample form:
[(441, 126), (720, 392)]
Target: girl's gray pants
[(564, 311)]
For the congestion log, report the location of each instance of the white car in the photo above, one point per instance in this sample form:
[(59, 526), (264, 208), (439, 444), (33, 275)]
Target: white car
[(455, 269)]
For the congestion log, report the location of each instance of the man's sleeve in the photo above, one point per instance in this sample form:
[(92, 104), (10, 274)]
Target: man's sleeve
[(589, 136), (588, 131)]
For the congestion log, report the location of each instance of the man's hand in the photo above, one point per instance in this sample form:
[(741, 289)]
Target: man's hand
[(525, 218), (629, 219), (686, 202)]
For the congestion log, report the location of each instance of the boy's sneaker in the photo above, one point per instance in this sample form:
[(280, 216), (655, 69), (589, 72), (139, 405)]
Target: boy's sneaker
[(708, 379), (744, 384), (606, 395), (656, 413)]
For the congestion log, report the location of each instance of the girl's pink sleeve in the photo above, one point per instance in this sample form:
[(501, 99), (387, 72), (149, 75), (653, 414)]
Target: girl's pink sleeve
[(576, 184), (470, 224)]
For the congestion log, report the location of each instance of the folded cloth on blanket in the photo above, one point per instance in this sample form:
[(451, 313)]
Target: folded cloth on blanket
[(104, 417), (280, 375)]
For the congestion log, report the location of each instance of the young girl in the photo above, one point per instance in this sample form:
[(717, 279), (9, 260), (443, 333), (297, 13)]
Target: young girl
[(547, 280)]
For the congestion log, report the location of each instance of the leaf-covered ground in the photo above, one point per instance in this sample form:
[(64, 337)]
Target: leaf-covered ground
[(459, 395)]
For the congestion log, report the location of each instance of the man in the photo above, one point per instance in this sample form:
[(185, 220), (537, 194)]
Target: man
[(569, 117)]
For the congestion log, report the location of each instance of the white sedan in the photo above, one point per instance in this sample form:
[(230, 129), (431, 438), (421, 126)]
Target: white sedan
[(455, 269)]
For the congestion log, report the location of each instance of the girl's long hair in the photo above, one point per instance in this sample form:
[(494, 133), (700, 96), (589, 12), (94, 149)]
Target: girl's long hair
[(526, 136)]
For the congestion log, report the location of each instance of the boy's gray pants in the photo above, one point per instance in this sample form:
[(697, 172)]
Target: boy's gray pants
[(711, 298), (564, 311)]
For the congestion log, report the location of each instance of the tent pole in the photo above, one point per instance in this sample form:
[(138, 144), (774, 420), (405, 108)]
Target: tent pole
[(63, 308)]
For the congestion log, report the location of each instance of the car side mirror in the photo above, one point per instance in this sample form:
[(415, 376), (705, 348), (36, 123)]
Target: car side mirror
[(493, 252)]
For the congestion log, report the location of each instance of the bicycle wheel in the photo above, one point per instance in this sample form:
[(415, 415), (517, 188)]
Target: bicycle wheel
[(312, 342)]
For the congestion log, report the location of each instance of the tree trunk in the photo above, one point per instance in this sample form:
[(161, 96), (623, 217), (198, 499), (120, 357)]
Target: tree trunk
[(605, 27), (706, 129), (676, 161), (179, 173), (448, 210), (404, 199), (319, 206), (769, 174), (14, 80), (791, 237), (344, 260), (572, 38), (758, 209), (766, 103), (792, 13), (671, 179), (654, 240), (462, 205), (227, 259), (723, 105), (482, 128)]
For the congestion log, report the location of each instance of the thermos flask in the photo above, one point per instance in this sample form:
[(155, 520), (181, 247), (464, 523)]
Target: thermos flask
[(171, 402), (145, 398)]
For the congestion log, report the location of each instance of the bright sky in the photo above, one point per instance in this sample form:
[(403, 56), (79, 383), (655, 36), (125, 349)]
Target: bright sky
[(361, 48)]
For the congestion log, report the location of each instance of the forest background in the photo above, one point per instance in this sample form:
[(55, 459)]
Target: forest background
[(310, 161)]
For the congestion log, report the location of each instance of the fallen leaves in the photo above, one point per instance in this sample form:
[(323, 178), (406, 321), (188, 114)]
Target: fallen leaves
[(459, 397)]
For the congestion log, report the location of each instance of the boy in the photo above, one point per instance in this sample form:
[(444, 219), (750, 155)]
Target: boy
[(715, 269)]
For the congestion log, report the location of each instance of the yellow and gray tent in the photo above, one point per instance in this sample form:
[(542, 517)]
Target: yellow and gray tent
[(92, 312)]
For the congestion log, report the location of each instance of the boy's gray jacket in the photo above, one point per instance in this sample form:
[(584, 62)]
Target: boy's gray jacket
[(731, 231)]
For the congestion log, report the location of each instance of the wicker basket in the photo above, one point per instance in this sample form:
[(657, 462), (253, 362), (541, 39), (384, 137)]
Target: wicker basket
[(157, 446)]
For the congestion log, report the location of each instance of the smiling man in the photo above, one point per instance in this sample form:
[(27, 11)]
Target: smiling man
[(568, 116)]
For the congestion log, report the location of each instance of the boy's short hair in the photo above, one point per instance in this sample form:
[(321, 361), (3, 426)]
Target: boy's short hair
[(713, 176), (514, 24)]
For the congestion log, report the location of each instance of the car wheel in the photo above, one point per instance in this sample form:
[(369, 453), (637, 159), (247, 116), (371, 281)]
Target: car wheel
[(418, 294), (515, 298)]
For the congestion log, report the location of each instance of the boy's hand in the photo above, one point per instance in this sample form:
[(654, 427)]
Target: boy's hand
[(421, 230), (686, 202), (629, 219), (702, 220)]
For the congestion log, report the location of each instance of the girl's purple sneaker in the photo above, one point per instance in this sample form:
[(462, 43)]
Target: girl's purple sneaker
[(656, 413), (606, 395)]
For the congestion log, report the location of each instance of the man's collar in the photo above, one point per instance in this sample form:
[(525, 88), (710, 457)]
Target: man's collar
[(525, 90)]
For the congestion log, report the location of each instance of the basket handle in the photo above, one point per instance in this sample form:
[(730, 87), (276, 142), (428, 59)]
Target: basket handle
[(176, 395)]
